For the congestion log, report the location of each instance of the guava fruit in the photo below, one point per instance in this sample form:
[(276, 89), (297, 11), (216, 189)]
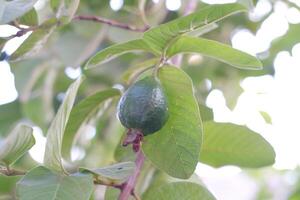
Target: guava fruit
[(144, 106)]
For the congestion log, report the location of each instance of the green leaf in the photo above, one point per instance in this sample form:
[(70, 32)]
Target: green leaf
[(2, 42), (111, 174), (41, 183), (9, 114), (266, 116), (113, 51), (54, 4), (81, 112), (52, 157), (203, 30), (18, 142), (33, 110), (10, 10), (35, 41), (230, 144), (175, 148), (162, 36), (8, 184), (135, 70), (30, 18), (179, 191), (206, 113), (111, 193), (219, 51)]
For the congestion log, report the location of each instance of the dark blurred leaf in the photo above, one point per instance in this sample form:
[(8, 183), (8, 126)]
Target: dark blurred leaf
[(55, 5), (117, 50), (52, 157), (179, 191), (41, 183), (18, 142), (173, 149), (116, 173), (24, 73), (9, 114), (33, 109), (230, 144), (10, 10), (8, 184), (2, 43), (163, 35), (206, 113), (30, 18), (80, 113), (67, 50), (219, 51), (35, 41)]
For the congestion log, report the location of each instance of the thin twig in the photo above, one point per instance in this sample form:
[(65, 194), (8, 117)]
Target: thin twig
[(135, 195), (110, 22), (108, 184), (11, 172), (23, 31)]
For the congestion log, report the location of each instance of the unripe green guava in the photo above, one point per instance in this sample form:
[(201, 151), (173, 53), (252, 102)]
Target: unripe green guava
[(144, 106)]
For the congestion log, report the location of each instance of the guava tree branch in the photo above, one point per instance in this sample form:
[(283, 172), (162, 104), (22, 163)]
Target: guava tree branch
[(128, 188), (11, 172), (110, 22), (23, 31)]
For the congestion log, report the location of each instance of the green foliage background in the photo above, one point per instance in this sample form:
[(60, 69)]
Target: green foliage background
[(190, 136)]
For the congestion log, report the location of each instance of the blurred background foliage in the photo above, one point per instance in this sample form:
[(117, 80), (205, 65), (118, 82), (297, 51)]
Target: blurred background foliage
[(42, 81)]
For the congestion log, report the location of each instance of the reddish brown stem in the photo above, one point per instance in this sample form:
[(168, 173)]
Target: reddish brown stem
[(128, 187), (23, 31), (110, 22)]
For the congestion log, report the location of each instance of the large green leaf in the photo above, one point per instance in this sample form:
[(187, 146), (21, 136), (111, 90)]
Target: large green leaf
[(174, 149), (117, 50), (35, 41), (179, 191), (18, 142), (162, 36), (111, 174), (230, 144), (52, 157), (41, 183), (30, 18), (81, 112), (219, 51), (10, 10)]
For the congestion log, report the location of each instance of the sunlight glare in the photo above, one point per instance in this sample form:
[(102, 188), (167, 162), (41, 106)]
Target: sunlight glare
[(38, 150), (116, 4), (173, 5), (8, 92)]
